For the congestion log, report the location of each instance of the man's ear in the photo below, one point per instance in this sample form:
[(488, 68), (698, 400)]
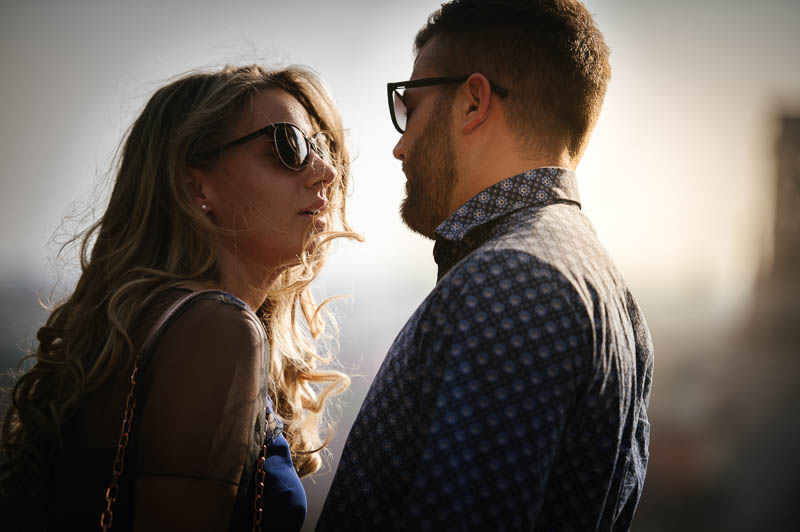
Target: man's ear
[(198, 184), (476, 105)]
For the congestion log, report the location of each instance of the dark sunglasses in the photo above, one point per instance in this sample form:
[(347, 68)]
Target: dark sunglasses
[(395, 91), (291, 144)]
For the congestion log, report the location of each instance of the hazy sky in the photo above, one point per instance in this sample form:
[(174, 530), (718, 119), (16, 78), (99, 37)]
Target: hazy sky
[(677, 178)]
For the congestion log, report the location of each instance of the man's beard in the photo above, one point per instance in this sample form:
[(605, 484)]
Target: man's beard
[(430, 173)]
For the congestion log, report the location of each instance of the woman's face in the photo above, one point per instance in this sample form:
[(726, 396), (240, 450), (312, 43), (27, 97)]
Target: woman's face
[(251, 193)]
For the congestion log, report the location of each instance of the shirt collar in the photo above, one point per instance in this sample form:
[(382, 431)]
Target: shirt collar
[(537, 187)]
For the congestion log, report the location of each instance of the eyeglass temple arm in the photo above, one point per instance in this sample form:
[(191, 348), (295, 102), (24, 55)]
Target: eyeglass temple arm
[(247, 138), (427, 82)]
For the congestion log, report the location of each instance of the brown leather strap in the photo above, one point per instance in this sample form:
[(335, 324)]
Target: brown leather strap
[(165, 317)]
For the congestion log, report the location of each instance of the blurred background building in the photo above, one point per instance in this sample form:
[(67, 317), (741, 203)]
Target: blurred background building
[(724, 450)]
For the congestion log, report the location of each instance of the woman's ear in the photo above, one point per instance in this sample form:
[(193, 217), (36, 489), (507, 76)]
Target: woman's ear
[(197, 185)]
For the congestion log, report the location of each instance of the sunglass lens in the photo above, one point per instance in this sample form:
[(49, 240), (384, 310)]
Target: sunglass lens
[(321, 144), (400, 113), (291, 146)]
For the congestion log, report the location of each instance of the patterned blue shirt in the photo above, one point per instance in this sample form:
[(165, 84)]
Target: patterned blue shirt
[(515, 398)]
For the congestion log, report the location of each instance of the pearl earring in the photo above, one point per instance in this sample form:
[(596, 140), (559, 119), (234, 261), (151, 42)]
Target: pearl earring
[(204, 206)]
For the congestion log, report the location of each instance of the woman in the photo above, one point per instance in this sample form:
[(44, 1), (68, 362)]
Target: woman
[(184, 328)]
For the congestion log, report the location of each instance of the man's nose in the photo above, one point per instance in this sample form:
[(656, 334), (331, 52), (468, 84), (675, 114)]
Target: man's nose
[(398, 151)]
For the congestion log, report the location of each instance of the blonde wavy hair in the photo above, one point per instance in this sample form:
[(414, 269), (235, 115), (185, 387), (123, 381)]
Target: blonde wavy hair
[(152, 238)]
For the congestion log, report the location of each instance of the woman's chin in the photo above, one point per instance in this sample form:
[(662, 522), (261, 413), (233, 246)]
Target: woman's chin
[(320, 223)]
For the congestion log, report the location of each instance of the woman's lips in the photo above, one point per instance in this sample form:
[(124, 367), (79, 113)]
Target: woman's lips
[(314, 209)]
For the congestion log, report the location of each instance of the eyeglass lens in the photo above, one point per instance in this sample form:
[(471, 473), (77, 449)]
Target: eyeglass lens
[(400, 112), (291, 146), (321, 144)]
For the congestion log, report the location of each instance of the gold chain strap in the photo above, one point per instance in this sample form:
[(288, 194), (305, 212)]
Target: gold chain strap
[(107, 517), (258, 502), (112, 492)]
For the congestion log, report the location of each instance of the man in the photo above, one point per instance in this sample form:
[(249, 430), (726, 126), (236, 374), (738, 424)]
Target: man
[(515, 398)]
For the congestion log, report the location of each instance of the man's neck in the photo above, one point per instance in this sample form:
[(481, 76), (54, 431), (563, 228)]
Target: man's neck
[(478, 175), (490, 153)]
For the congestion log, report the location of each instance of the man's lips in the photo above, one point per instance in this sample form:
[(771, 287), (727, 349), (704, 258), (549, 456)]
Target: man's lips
[(408, 179), (315, 208)]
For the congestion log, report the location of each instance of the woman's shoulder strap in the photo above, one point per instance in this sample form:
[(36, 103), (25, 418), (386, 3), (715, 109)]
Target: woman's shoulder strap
[(179, 306)]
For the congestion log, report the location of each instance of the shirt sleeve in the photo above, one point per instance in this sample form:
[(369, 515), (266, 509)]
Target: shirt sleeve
[(514, 338), (201, 391)]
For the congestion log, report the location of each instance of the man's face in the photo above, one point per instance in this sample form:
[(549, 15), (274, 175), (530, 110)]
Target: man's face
[(426, 149), (429, 166)]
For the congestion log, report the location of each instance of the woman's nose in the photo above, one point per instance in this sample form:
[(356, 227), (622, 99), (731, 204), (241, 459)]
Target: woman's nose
[(319, 171)]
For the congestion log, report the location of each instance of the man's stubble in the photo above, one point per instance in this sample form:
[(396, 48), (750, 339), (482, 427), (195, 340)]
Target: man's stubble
[(430, 173)]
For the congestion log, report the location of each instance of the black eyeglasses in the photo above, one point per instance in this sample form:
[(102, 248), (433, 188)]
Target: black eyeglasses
[(397, 108), (291, 144)]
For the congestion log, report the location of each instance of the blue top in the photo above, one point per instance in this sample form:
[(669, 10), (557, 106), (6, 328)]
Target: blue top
[(515, 398), (79, 477)]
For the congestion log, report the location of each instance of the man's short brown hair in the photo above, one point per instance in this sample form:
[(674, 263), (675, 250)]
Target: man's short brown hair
[(548, 53)]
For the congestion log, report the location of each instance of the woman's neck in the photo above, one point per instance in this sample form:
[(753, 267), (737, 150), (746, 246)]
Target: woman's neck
[(248, 282)]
